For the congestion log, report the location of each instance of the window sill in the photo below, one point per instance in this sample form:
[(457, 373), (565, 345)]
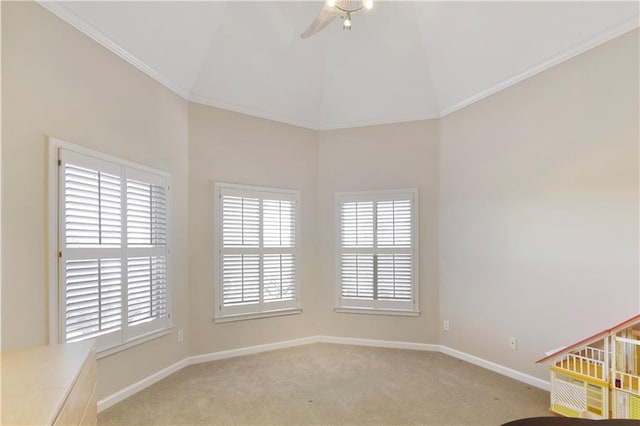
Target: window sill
[(133, 342), (267, 314), (373, 311)]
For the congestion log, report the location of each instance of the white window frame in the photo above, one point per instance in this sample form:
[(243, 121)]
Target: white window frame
[(381, 307), (126, 337), (260, 309)]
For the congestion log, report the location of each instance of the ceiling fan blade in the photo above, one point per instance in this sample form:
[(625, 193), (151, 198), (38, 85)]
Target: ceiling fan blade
[(326, 15)]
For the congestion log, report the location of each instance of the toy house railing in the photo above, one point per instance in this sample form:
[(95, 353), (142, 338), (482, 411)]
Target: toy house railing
[(598, 377), (593, 353), (627, 382), (588, 362)]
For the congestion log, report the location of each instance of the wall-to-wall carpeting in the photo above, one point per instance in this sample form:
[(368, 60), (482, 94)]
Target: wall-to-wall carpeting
[(332, 384)]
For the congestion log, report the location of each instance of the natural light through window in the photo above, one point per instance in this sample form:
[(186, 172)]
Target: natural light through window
[(377, 252), (258, 253), (113, 248)]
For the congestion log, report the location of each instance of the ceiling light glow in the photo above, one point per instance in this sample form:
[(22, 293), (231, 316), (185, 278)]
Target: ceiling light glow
[(347, 22), (349, 7)]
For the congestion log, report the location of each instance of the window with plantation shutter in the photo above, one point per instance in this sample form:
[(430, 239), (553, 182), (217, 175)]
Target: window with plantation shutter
[(377, 252), (112, 249), (257, 251)]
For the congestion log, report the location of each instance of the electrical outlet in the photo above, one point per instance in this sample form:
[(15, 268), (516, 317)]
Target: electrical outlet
[(445, 325), (180, 335), (513, 343)]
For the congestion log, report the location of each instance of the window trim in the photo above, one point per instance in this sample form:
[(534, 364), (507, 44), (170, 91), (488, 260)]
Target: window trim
[(378, 307), (279, 310), (54, 297)]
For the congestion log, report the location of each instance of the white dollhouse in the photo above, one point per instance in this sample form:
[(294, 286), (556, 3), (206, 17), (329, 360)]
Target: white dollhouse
[(598, 377)]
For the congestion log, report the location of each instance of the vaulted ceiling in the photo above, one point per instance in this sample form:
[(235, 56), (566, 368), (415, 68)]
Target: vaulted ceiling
[(402, 61)]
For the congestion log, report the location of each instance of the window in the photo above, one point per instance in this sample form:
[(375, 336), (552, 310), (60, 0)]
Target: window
[(112, 248), (257, 266), (377, 251)]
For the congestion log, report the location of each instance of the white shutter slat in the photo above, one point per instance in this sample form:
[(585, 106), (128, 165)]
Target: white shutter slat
[(394, 277), (278, 221), (394, 223), (356, 222), (147, 289), (146, 214), (92, 298), (110, 210), (147, 237), (394, 231), (92, 205), (356, 232), (240, 221), (357, 276), (158, 215), (240, 279), (279, 277)]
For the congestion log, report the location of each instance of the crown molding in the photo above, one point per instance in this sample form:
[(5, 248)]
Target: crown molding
[(255, 112), (72, 19), (380, 121), (269, 115), (81, 25), (600, 38)]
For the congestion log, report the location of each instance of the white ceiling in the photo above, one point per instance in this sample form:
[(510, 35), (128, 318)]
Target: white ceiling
[(402, 61)]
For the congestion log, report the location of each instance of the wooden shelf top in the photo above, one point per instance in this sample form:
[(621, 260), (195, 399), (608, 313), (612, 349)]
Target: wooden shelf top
[(36, 381)]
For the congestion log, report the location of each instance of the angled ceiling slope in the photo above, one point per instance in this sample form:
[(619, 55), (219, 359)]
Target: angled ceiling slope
[(402, 61)]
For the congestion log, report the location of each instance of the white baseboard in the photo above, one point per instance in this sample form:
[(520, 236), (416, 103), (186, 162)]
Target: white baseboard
[(379, 343), (113, 399), (136, 387), (213, 356), (501, 369)]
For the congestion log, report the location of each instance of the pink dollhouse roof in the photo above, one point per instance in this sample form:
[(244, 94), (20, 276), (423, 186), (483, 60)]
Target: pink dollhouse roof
[(627, 323)]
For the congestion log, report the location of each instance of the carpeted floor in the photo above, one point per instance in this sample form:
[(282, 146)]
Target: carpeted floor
[(327, 384)]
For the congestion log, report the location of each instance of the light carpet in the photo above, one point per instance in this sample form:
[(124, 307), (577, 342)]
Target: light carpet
[(327, 384)]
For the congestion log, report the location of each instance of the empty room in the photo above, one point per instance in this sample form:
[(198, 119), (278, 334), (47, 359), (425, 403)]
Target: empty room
[(330, 212)]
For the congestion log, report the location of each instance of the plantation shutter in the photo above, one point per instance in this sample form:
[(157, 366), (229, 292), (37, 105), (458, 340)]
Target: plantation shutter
[(394, 237), (240, 241), (146, 251), (112, 250), (356, 261), (90, 241), (278, 264), (258, 263), (376, 250)]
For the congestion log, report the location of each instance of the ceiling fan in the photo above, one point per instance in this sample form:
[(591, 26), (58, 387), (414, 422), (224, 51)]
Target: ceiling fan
[(333, 8)]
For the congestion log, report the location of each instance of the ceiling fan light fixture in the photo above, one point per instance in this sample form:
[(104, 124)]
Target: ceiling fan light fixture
[(347, 22), (331, 9)]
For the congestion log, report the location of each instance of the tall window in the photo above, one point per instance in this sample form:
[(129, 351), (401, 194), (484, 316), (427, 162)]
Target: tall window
[(257, 251), (377, 251), (112, 249)]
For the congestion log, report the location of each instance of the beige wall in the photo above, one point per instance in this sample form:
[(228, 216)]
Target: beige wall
[(392, 156), (528, 199), (539, 209), (58, 82), (229, 147), (0, 184)]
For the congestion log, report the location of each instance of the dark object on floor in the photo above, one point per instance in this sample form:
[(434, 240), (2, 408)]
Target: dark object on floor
[(566, 421)]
